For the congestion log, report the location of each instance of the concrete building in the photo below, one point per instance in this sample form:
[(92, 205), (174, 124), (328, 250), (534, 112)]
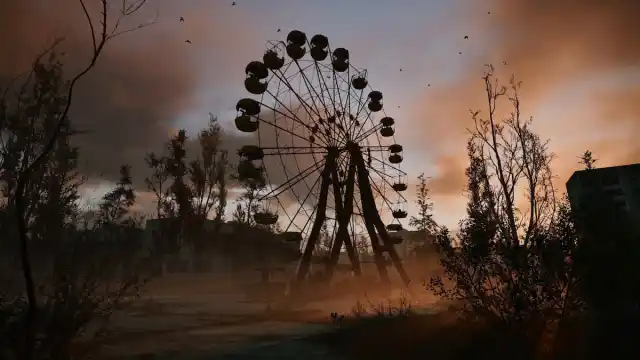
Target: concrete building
[(412, 240), (620, 184)]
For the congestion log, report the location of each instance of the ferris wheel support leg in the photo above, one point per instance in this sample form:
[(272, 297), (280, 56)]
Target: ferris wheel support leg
[(393, 254), (348, 244), (378, 256), (372, 216), (367, 206), (344, 215), (305, 260)]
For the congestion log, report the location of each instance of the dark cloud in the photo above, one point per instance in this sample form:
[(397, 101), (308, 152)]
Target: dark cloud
[(142, 84)]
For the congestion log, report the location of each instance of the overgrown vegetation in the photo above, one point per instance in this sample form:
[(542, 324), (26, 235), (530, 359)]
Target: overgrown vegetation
[(526, 280), (523, 274), (524, 270), (80, 260)]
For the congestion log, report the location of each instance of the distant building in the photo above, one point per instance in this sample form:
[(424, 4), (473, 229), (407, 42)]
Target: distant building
[(619, 184), (413, 241), (231, 246)]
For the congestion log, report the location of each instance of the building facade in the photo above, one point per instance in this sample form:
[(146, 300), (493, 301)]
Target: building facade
[(620, 185)]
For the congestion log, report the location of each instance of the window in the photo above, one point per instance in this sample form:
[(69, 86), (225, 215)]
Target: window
[(610, 178)]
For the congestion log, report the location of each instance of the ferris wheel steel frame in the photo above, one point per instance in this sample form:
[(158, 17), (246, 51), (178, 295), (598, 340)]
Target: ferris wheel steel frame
[(345, 175)]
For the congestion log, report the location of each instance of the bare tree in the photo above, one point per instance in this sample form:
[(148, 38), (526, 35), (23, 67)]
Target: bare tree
[(515, 157), (253, 184), (189, 192), (76, 272), (507, 269), (208, 173), (423, 221), (116, 203), (101, 34)]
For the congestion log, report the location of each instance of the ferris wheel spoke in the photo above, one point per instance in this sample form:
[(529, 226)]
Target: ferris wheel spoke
[(389, 165), (336, 86), (387, 183), (267, 122), (367, 119), (303, 265), (347, 102), (293, 181), (311, 89), (369, 132), (300, 99), (306, 223), (330, 94), (303, 203), (294, 150), (353, 126), (374, 147), (375, 187), (293, 118), (286, 173), (322, 82), (343, 104)]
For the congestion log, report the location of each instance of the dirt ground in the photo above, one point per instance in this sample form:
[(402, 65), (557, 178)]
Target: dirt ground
[(208, 316)]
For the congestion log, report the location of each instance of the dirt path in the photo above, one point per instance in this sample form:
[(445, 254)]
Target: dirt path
[(185, 324)]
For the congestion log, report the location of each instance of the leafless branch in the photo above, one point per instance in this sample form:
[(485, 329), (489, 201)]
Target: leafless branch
[(97, 47)]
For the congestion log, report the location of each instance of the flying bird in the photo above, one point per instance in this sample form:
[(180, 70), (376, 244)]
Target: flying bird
[(459, 52), (278, 29), (428, 85), (505, 63), (188, 41), (466, 36), (181, 19), (400, 69), (233, 3)]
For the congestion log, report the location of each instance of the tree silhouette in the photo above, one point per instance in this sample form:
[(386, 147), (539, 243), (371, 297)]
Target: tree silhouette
[(117, 202), (73, 271), (189, 192), (31, 165), (509, 268), (423, 221), (253, 184), (588, 160)]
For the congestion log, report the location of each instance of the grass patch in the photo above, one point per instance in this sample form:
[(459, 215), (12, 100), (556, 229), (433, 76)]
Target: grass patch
[(396, 331)]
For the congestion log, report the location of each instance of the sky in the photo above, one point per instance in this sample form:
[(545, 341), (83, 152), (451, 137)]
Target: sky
[(579, 61)]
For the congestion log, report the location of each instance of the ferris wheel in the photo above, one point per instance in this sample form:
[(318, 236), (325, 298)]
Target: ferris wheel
[(326, 152)]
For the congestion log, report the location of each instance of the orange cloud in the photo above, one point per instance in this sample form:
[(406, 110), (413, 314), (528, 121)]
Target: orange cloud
[(548, 45)]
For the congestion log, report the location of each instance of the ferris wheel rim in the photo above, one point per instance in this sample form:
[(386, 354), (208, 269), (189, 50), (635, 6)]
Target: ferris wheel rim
[(375, 139)]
